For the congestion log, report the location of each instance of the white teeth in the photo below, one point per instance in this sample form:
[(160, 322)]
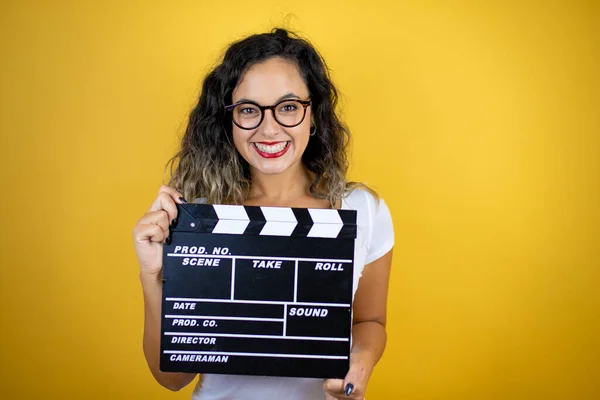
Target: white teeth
[(271, 149)]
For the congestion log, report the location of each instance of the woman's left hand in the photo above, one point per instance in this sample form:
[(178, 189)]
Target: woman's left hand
[(354, 385)]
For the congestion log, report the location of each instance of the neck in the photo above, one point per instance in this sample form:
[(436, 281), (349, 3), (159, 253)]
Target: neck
[(279, 188)]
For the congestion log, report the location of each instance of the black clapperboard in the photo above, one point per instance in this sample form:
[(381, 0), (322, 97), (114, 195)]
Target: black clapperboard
[(258, 291)]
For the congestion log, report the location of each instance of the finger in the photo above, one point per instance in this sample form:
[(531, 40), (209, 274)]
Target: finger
[(164, 201), (160, 218), (334, 387), (153, 233), (175, 195)]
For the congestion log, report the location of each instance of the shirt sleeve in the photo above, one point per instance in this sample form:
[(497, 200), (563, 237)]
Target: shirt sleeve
[(381, 231)]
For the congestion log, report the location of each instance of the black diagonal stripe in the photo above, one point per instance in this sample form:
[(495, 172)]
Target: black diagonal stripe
[(302, 216), (347, 232), (257, 220), (348, 217), (207, 225), (254, 228), (305, 222), (255, 213)]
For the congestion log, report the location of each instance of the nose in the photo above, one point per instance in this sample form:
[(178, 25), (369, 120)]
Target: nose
[(269, 126)]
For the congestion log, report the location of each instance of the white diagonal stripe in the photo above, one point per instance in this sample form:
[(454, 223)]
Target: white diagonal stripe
[(325, 230), (225, 211), (281, 214), (278, 228), (273, 355), (232, 226), (324, 216)]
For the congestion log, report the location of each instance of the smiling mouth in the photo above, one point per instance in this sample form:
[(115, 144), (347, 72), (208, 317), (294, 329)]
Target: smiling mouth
[(271, 149)]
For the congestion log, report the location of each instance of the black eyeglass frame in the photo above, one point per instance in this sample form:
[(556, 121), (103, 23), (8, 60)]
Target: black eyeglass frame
[(304, 103)]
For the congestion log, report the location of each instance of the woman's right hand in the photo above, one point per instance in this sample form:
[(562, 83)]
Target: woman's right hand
[(152, 230)]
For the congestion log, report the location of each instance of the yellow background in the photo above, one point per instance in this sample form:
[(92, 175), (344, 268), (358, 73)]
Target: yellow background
[(478, 122)]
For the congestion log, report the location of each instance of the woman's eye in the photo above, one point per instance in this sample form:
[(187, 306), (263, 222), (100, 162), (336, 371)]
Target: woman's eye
[(288, 107), (247, 111)]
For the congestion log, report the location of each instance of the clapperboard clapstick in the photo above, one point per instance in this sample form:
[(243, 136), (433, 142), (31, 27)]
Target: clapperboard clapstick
[(258, 291)]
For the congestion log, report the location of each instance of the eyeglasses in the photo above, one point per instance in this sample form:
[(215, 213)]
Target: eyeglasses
[(287, 113)]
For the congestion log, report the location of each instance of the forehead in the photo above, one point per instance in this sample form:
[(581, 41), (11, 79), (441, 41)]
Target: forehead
[(267, 81)]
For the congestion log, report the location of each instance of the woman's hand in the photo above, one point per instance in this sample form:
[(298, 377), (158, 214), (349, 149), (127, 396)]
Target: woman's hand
[(354, 385), (153, 229)]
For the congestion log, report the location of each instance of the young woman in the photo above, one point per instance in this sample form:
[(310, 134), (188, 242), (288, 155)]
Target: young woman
[(265, 133)]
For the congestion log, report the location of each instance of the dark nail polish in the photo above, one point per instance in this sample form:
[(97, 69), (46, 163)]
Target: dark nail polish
[(349, 389), (168, 240), (174, 222), (183, 200)]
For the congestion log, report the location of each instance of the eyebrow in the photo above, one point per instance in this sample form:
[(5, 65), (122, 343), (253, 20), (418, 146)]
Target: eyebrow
[(285, 96)]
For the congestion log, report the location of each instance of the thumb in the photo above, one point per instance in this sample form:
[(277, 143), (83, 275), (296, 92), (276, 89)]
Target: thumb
[(355, 381), (333, 387)]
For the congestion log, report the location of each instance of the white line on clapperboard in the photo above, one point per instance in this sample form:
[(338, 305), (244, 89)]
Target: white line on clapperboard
[(279, 303), (232, 278), (284, 320), (225, 353), (225, 318), (259, 257), (296, 281), (241, 335)]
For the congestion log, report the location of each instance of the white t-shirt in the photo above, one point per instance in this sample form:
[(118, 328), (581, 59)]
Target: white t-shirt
[(375, 237)]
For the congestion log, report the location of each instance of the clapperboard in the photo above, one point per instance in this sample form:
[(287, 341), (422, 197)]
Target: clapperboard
[(258, 291)]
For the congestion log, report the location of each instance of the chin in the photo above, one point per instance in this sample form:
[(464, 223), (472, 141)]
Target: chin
[(271, 169)]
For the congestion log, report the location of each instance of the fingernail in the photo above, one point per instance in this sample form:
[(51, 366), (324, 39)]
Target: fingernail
[(349, 389), (183, 200), (174, 222), (168, 240)]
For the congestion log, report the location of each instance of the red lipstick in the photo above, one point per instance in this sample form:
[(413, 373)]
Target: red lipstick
[(271, 155)]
